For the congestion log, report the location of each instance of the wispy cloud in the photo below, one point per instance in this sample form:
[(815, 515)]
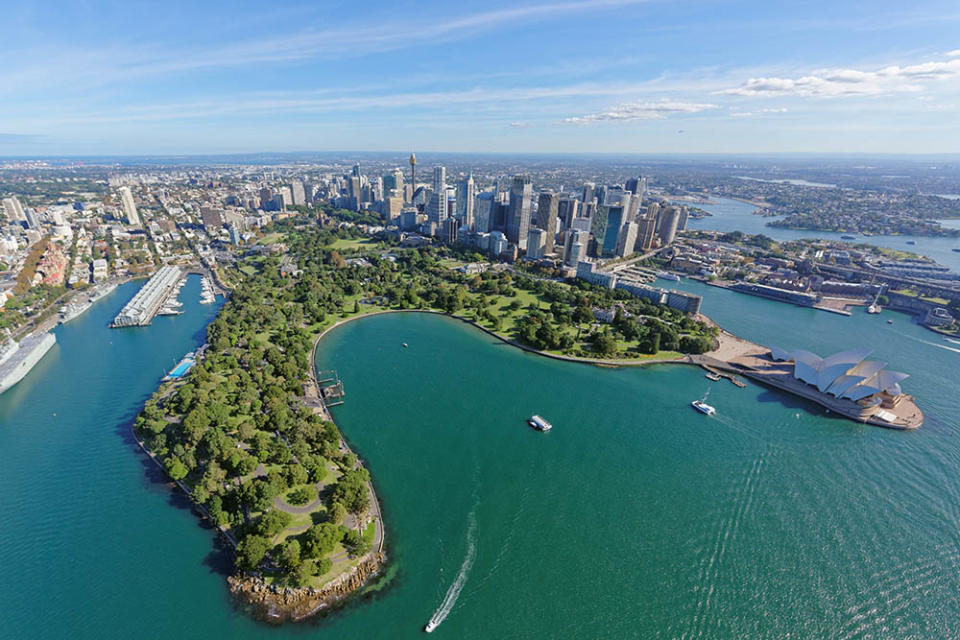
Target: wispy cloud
[(758, 112), (632, 111), (953, 54), (834, 83)]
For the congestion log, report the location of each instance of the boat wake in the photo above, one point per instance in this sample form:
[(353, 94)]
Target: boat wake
[(450, 599), (935, 344)]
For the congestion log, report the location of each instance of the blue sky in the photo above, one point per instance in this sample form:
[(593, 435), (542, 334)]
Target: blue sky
[(594, 76)]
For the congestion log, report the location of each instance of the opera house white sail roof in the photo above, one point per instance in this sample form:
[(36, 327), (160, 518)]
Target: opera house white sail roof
[(847, 374)]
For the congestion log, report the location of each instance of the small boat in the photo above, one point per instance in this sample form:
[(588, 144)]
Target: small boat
[(703, 407), (713, 376), (404, 345), (539, 423), (848, 237), (956, 250), (911, 242), (873, 308), (890, 321), (430, 626)]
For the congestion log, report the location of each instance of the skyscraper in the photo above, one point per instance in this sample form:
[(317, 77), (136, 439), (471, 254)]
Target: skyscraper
[(627, 239), (589, 192), (484, 211), (439, 210), (575, 248), (536, 243), (518, 213), (14, 211), (129, 207), (667, 227), (296, 189), (547, 206), (567, 210), (646, 232), (466, 203)]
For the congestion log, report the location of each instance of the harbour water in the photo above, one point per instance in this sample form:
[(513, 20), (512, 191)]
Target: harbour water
[(733, 215), (634, 517)]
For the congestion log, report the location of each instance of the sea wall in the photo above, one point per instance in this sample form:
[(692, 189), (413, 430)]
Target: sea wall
[(277, 605)]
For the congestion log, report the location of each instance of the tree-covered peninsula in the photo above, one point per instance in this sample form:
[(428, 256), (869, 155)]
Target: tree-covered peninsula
[(245, 434)]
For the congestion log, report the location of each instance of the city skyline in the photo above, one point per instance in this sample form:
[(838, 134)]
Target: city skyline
[(582, 76)]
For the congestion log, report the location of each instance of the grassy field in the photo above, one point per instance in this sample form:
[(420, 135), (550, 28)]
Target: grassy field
[(353, 244)]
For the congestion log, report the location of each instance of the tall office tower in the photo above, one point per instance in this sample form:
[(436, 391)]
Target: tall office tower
[(567, 210), (684, 217), (308, 190), (483, 218), (637, 186), (611, 217), (498, 215), (299, 196), (356, 195), (589, 192), (14, 211), (536, 243), (518, 213), (627, 239), (448, 230), (669, 218), (376, 189), (466, 202), (129, 207), (413, 171), (392, 206), (393, 184), (575, 248), (440, 190), (646, 232), (356, 171), (547, 206), (653, 212)]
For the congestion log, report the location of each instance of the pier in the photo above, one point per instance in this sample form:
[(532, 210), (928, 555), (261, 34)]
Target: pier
[(147, 303)]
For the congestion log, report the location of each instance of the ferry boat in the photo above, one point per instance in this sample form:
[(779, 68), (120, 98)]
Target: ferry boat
[(539, 423), (666, 275), (703, 407), (713, 376)]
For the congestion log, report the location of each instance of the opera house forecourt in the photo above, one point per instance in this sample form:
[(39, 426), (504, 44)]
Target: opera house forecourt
[(846, 383)]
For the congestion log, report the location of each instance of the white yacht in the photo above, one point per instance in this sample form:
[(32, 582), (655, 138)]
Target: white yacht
[(539, 423), (430, 626), (703, 407)]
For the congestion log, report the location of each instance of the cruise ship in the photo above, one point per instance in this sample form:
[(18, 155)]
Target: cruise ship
[(17, 359)]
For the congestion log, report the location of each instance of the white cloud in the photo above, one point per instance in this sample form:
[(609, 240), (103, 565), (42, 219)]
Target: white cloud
[(631, 111), (833, 83), (758, 112), (953, 54)]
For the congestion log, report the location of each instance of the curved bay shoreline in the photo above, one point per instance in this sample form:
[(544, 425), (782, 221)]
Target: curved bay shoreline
[(281, 604)]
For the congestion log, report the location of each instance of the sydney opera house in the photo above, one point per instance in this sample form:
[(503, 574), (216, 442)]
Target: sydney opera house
[(845, 382)]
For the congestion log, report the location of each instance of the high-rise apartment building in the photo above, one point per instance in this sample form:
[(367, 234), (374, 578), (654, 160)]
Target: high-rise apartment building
[(129, 206)]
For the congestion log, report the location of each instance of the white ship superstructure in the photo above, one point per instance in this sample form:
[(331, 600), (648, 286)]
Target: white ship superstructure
[(16, 360), (145, 305)]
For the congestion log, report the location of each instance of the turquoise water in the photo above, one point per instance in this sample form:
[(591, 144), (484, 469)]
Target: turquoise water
[(733, 215), (634, 517)]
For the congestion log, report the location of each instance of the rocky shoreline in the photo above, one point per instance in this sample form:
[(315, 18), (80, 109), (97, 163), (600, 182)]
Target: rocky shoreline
[(277, 605)]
